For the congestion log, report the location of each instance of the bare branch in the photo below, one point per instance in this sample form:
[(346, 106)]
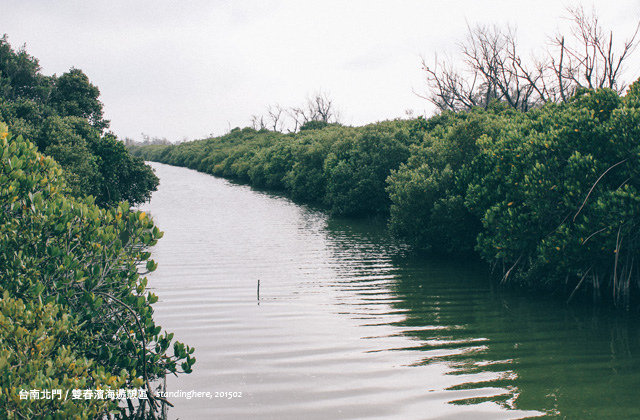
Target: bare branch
[(276, 117), (257, 122), (494, 70)]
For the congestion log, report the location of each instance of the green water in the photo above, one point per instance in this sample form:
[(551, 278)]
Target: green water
[(563, 361), (566, 361)]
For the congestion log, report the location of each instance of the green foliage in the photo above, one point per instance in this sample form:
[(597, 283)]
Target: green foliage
[(267, 167), (19, 74), (344, 168), (558, 196), (550, 195), (427, 191), (313, 125), (82, 260), (357, 168), (64, 117), (123, 177), (75, 96), (59, 138), (632, 97), (39, 351), (306, 180)]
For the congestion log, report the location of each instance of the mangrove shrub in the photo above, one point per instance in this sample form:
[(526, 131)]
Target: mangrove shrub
[(63, 116), (73, 265)]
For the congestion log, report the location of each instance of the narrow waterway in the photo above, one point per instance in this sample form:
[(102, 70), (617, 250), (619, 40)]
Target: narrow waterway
[(346, 324)]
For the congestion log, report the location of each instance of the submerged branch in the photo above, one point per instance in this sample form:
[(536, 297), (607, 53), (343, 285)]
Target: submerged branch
[(579, 284)]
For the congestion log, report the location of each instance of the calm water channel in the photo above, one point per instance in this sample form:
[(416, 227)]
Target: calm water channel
[(348, 325)]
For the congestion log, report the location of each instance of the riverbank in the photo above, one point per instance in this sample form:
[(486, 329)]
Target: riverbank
[(549, 197)]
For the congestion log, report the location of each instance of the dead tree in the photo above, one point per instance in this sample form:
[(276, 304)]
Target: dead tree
[(319, 107), (494, 70), (276, 114), (592, 60), (257, 122)]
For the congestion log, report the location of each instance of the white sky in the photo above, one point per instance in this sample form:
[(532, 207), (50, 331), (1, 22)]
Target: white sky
[(191, 68)]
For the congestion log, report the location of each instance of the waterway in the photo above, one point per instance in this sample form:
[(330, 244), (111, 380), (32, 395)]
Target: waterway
[(346, 323)]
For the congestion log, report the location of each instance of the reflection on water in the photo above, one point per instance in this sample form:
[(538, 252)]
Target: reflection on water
[(348, 325)]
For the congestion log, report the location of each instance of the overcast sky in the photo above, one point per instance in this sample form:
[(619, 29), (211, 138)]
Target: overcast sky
[(192, 68)]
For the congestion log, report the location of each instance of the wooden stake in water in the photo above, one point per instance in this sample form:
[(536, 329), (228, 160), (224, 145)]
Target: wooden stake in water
[(258, 289)]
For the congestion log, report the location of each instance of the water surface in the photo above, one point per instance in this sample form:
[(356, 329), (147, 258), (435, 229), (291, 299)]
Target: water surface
[(347, 324)]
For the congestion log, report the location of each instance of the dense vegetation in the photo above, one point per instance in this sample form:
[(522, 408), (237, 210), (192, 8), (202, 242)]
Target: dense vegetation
[(551, 196), (75, 312), (341, 167), (64, 118)]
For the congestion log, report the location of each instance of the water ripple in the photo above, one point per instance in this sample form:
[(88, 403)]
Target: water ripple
[(328, 336)]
